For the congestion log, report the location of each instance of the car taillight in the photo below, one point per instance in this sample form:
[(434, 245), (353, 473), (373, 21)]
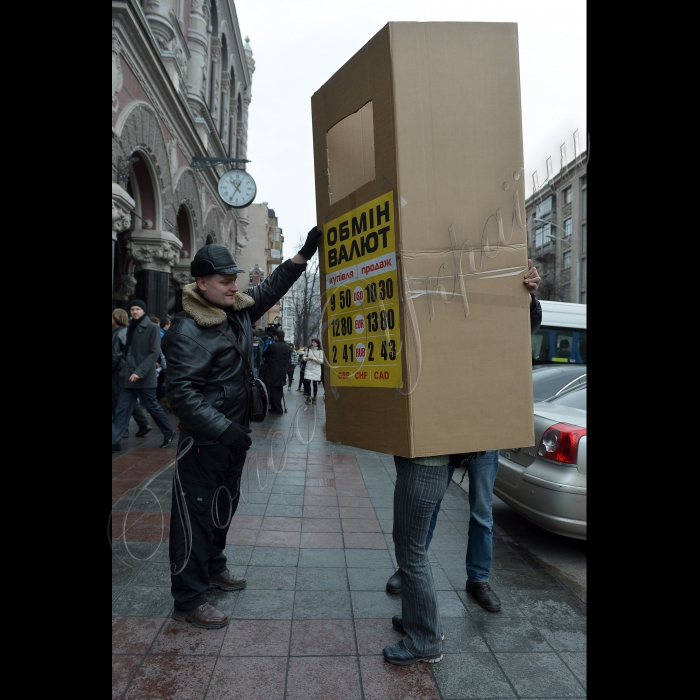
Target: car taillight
[(560, 443)]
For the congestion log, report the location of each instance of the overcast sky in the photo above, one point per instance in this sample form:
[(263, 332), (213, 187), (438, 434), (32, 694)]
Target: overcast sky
[(299, 44)]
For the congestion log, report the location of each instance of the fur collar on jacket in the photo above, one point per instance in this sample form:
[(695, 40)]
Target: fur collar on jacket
[(206, 314)]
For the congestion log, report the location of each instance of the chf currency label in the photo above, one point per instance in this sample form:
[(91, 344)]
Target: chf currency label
[(362, 296)]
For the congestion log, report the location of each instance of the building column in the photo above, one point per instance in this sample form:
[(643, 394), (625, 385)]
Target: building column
[(181, 277), (122, 204), (155, 254), (197, 68)]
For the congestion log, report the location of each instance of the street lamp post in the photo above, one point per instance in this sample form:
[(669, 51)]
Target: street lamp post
[(573, 248)]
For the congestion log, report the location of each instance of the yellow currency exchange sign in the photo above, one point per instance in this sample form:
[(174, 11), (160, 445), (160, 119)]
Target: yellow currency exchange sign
[(362, 296)]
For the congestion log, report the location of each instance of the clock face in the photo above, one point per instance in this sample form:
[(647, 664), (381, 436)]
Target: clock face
[(237, 188)]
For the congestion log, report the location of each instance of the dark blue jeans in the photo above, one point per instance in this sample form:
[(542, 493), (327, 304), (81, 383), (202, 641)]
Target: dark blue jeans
[(482, 476), (125, 407)]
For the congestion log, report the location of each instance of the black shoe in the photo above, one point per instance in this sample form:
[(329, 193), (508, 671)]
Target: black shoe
[(484, 595), (397, 624), (393, 585), (168, 440), (144, 431), (116, 448)]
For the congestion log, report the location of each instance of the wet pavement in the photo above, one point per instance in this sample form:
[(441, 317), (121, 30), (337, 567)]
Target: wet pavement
[(312, 535)]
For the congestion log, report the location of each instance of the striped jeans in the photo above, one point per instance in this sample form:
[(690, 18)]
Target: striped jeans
[(418, 489)]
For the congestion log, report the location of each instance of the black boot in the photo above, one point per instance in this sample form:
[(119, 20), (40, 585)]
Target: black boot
[(484, 595)]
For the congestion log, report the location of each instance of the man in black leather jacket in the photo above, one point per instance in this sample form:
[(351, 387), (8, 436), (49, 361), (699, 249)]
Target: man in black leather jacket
[(208, 389)]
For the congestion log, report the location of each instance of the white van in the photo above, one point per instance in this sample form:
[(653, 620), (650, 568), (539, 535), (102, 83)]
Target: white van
[(562, 335)]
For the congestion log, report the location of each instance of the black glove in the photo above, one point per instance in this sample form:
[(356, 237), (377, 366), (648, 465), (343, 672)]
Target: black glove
[(236, 439), (311, 245)]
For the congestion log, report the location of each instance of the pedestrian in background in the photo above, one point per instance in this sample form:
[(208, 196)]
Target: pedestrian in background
[(277, 363), (314, 370), (120, 321), (301, 360), (292, 366), (138, 376)]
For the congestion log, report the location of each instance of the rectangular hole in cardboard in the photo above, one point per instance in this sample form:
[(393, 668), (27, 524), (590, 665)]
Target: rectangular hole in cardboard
[(350, 145)]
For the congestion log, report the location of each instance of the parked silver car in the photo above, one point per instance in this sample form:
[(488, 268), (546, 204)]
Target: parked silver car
[(546, 483)]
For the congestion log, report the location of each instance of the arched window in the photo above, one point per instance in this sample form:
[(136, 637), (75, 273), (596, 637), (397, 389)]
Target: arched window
[(143, 192), (209, 240), (184, 229)]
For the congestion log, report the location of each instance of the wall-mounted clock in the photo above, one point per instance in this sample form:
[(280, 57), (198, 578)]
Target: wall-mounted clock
[(237, 188)]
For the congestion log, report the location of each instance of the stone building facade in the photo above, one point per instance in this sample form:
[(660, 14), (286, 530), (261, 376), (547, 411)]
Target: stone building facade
[(557, 233), (274, 256), (181, 88)]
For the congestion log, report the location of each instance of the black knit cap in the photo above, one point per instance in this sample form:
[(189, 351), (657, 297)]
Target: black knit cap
[(139, 303), (214, 258)]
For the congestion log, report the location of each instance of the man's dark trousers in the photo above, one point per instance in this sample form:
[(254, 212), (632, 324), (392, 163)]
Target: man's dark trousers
[(276, 394), (125, 408), (203, 470)]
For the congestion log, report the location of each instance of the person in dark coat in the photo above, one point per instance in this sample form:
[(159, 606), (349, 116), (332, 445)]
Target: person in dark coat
[(138, 376), (120, 322), (277, 356), (208, 386)]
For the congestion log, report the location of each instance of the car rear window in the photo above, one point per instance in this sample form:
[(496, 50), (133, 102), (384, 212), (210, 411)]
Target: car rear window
[(574, 399)]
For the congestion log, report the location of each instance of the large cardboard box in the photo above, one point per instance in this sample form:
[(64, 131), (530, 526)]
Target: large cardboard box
[(420, 191)]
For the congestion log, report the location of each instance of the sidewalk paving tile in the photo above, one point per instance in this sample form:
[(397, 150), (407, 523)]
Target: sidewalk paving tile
[(123, 669), (320, 525), (383, 681), (367, 558), (275, 538), (249, 678), (182, 638), (375, 604), (181, 677), (134, 635), (576, 661), (322, 557), (364, 540), (539, 675), (270, 578), (272, 522), (312, 605), (511, 634), (369, 524), (369, 579), (143, 601), (322, 540), (472, 675), (322, 638), (322, 579), (323, 677), (274, 556), (373, 634), (257, 638), (260, 605), (320, 500)]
